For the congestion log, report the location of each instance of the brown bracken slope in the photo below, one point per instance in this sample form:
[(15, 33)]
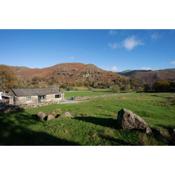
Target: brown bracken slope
[(69, 74)]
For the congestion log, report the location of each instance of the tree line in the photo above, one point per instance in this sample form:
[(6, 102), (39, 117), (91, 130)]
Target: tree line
[(160, 86)]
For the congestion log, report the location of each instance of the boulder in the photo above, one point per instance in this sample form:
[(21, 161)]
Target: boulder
[(54, 114), (67, 114), (126, 119), (50, 117), (57, 113), (41, 115)]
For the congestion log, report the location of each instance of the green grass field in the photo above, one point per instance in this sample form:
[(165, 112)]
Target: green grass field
[(94, 121), (82, 93)]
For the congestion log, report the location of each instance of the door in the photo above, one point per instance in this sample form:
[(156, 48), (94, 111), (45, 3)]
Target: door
[(39, 99)]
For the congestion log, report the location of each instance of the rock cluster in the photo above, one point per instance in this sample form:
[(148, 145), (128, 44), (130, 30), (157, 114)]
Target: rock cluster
[(53, 115)]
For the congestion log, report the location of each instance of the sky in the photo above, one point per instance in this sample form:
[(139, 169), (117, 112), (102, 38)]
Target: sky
[(115, 50)]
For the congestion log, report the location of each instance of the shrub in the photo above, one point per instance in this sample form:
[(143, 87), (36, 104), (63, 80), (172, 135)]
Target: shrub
[(147, 88), (162, 86), (69, 88), (125, 88), (115, 89)]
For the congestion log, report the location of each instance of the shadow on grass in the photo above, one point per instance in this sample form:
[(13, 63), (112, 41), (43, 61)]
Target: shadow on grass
[(106, 122), (116, 141), (14, 131), (164, 137), (166, 134)]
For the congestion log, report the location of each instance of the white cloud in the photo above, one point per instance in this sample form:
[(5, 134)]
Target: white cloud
[(131, 42), (113, 45), (112, 32), (172, 62), (128, 43), (114, 69), (155, 36)]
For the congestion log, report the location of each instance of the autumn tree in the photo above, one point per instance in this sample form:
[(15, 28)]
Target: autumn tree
[(136, 84), (172, 86), (147, 87), (162, 86), (7, 78)]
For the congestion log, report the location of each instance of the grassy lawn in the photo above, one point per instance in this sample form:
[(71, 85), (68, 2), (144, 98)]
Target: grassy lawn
[(97, 92), (94, 122)]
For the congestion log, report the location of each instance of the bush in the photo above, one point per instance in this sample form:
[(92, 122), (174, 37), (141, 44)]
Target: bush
[(147, 88), (172, 86), (136, 85), (69, 88), (125, 88), (115, 89), (162, 86), (61, 90)]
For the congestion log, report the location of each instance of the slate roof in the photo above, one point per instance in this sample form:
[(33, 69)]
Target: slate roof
[(33, 92)]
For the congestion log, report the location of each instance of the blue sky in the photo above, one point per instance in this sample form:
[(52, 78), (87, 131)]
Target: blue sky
[(115, 50)]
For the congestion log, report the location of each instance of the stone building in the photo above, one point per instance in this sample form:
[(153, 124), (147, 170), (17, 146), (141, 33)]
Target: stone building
[(35, 97)]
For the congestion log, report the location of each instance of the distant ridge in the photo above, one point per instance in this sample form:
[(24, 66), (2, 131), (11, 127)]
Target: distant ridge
[(150, 76)]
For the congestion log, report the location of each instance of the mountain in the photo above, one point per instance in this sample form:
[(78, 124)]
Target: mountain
[(150, 76), (78, 74), (73, 74)]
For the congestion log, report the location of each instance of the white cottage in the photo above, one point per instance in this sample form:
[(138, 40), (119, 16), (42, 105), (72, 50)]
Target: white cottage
[(35, 96)]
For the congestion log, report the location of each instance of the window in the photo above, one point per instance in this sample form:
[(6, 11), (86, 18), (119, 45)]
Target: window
[(58, 96), (28, 98), (42, 97)]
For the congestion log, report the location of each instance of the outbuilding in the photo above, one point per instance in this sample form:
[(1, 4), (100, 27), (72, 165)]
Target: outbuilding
[(35, 96)]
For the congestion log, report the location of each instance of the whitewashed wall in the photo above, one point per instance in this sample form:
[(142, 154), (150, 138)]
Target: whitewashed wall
[(24, 101), (34, 100)]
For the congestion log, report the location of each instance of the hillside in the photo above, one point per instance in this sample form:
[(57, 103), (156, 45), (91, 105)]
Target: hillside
[(149, 76), (78, 74), (73, 74)]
